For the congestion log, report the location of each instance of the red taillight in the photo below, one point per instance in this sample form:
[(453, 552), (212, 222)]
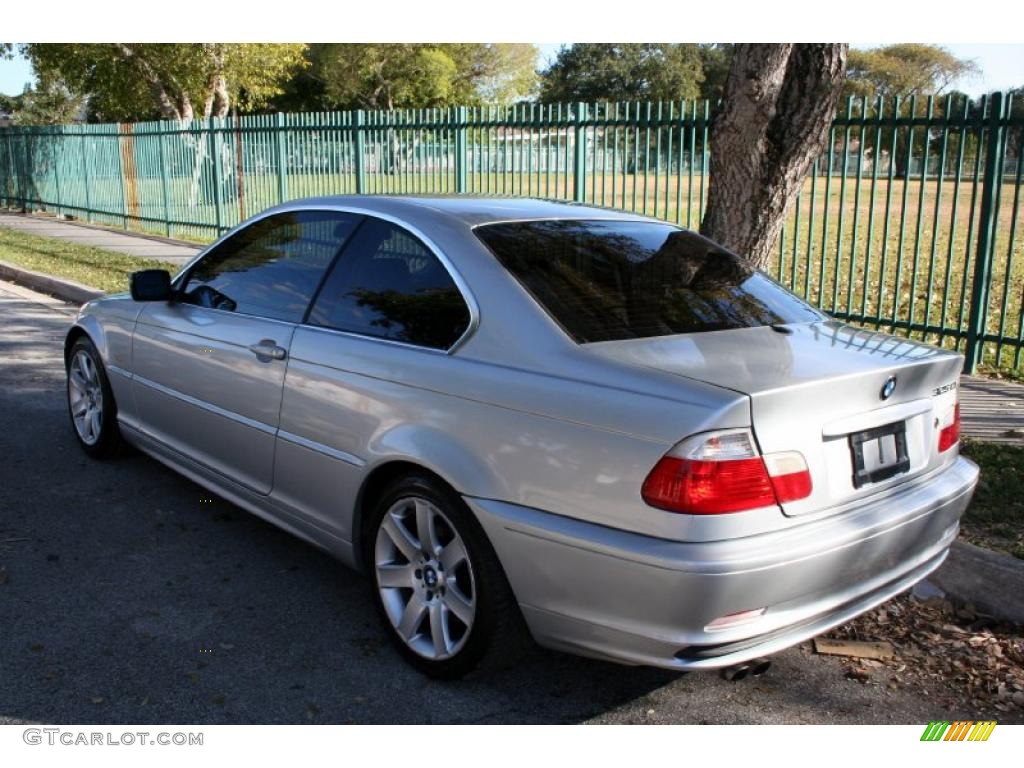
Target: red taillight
[(949, 435), (721, 473), (708, 487)]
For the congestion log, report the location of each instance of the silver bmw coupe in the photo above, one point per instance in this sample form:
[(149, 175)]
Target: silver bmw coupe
[(525, 415)]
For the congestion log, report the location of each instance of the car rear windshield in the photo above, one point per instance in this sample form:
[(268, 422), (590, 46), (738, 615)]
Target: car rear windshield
[(610, 280)]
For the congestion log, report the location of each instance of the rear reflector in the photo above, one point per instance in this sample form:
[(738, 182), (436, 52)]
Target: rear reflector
[(722, 472), (735, 619), (949, 435)]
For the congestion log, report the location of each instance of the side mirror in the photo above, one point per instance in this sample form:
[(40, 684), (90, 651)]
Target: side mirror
[(151, 285)]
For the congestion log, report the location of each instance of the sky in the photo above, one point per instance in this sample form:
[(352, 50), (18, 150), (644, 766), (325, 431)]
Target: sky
[(1002, 67)]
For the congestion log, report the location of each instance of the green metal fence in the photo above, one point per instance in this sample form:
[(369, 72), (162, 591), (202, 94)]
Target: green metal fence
[(907, 223)]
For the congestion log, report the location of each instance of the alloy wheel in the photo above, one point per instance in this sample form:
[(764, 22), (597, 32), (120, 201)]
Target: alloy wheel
[(85, 395), (425, 578)]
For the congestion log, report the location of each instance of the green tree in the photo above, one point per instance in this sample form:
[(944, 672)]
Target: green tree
[(175, 81), (9, 104), (623, 72), (714, 60), (411, 75), (493, 73), (52, 103), (904, 69), (387, 76)]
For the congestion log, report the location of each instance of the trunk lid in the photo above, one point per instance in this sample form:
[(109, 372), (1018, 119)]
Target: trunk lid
[(812, 386)]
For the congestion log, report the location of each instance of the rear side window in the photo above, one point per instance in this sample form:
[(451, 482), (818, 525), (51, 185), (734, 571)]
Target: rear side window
[(611, 280), (272, 267), (389, 285)]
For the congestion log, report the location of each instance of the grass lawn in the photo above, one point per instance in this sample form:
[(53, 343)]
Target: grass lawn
[(106, 270), (995, 518)]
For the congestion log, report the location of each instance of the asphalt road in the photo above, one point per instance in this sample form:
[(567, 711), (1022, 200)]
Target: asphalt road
[(132, 596)]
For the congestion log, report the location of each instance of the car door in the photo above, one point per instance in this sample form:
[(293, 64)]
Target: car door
[(209, 366), (388, 306)]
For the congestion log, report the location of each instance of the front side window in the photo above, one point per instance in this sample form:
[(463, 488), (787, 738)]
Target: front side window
[(272, 267), (607, 280), (389, 285)]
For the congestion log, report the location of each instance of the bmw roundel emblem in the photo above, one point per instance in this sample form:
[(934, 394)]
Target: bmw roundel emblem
[(888, 388)]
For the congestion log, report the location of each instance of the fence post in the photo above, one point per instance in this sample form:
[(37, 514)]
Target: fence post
[(579, 176), (360, 153), (29, 174), (55, 147), (978, 319), (163, 176), (85, 171), (280, 157), (461, 153), (122, 173), (14, 184), (218, 193)]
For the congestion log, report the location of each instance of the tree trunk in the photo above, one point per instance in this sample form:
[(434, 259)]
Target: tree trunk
[(216, 103), (198, 143), (175, 104), (779, 103)]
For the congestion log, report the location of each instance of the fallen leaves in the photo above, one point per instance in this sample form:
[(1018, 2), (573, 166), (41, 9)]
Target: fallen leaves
[(855, 649), (860, 674), (980, 659)]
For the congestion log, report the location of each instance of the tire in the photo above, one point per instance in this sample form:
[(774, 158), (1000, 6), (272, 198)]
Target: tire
[(91, 405), (447, 608)]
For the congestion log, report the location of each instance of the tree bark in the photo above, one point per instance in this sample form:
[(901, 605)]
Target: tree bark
[(218, 99), (779, 103)]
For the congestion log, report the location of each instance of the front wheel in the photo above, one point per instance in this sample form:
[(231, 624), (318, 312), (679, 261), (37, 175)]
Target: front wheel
[(91, 402), (436, 580)]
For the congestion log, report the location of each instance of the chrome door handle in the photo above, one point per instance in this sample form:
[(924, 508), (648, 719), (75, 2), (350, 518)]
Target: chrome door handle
[(268, 348)]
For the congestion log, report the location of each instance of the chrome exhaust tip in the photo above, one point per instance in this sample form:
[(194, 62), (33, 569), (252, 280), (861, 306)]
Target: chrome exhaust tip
[(736, 672), (759, 666)]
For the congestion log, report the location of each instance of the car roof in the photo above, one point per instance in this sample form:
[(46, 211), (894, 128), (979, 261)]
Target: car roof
[(469, 210)]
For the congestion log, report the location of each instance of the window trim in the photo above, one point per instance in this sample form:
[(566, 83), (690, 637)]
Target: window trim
[(339, 263), (467, 295)]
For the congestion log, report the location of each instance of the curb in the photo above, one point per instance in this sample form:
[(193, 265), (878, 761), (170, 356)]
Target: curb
[(992, 582), (67, 290)]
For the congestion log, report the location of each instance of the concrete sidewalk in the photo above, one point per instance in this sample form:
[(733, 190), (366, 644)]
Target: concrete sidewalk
[(992, 409), (133, 244)]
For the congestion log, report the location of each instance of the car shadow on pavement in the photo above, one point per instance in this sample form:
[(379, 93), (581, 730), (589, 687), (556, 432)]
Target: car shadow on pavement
[(135, 596)]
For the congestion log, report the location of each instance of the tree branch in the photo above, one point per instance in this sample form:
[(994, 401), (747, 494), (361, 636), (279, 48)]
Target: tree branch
[(182, 110)]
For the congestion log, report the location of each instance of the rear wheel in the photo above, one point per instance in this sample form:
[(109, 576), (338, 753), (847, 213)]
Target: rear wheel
[(437, 582), (91, 402)]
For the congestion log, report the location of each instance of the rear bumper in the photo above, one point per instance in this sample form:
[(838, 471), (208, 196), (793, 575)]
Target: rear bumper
[(631, 598)]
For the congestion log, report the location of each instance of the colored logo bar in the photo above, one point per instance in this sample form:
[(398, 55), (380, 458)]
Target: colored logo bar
[(958, 730)]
